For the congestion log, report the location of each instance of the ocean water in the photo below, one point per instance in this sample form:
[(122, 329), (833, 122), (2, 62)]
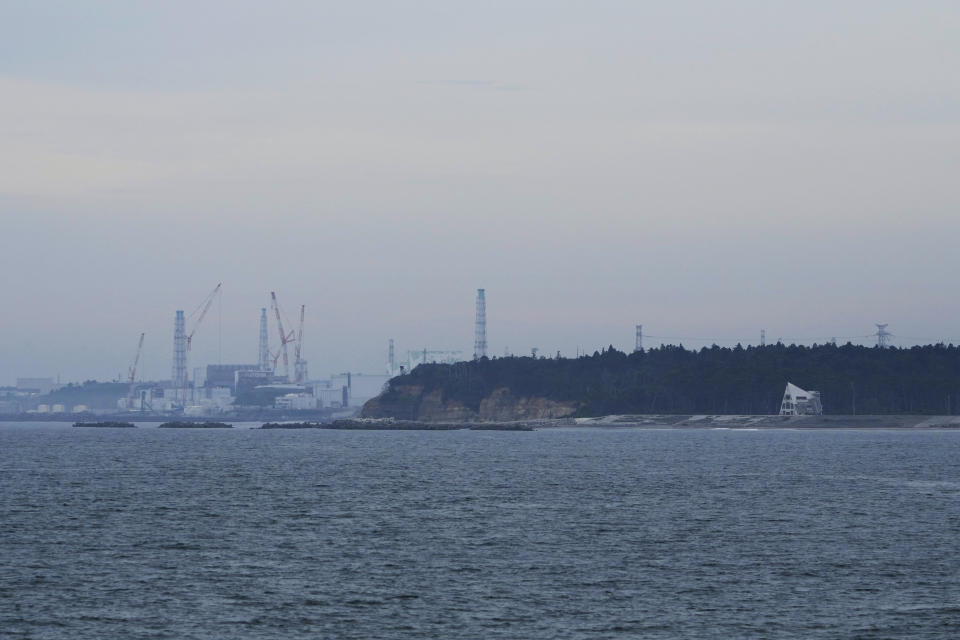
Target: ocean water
[(567, 533)]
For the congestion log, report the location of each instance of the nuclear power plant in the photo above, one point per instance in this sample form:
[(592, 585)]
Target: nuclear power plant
[(220, 387), (217, 388)]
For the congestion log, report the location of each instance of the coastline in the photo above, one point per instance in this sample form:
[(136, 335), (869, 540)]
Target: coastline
[(773, 421), (643, 421)]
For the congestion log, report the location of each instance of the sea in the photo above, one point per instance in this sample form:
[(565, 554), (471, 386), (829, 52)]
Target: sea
[(555, 533)]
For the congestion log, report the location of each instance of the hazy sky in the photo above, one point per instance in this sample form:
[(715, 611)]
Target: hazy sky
[(706, 168)]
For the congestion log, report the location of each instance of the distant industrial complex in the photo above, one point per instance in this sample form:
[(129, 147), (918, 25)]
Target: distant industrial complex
[(220, 388), (225, 386)]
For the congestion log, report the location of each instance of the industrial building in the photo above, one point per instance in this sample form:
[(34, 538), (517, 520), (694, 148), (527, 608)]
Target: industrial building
[(296, 402), (348, 389), (328, 397), (41, 386), (247, 380), (225, 375)]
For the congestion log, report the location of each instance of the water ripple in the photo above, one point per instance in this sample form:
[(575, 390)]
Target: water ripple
[(551, 534)]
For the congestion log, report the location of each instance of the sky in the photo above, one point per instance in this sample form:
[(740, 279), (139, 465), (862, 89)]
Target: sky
[(706, 169)]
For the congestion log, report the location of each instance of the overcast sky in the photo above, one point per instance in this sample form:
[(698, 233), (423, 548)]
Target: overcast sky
[(706, 168)]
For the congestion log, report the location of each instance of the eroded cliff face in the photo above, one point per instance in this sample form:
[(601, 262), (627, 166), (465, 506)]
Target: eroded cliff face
[(411, 403), (503, 406), (434, 409)]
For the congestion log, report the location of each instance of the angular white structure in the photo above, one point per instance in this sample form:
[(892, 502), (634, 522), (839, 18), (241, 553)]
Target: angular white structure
[(797, 402)]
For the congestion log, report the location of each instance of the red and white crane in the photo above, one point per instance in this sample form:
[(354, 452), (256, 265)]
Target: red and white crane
[(285, 337)]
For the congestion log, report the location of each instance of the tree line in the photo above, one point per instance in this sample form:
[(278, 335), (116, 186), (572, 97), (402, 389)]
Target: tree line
[(851, 379)]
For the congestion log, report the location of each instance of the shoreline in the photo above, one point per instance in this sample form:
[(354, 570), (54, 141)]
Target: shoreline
[(714, 422), (732, 422)]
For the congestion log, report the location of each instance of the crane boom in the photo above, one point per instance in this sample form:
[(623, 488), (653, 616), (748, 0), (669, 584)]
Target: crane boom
[(284, 336), (206, 304), (133, 367), (303, 308), (299, 364), (203, 308)]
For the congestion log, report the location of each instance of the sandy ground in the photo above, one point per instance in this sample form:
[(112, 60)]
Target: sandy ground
[(772, 422)]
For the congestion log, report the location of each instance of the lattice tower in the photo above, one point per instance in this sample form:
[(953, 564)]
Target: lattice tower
[(264, 350), (179, 375), (882, 336), (480, 340)]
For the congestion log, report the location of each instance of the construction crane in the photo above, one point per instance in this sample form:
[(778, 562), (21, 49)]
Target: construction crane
[(132, 374), (202, 309), (299, 364), (284, 336)]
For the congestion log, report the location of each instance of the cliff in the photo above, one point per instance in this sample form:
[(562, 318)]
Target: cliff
[(411, 402)]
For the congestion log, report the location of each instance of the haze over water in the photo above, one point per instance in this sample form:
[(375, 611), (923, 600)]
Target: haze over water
[(567, 533)]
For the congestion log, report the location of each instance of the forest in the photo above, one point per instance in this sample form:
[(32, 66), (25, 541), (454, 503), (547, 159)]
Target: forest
[(852, 379)]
